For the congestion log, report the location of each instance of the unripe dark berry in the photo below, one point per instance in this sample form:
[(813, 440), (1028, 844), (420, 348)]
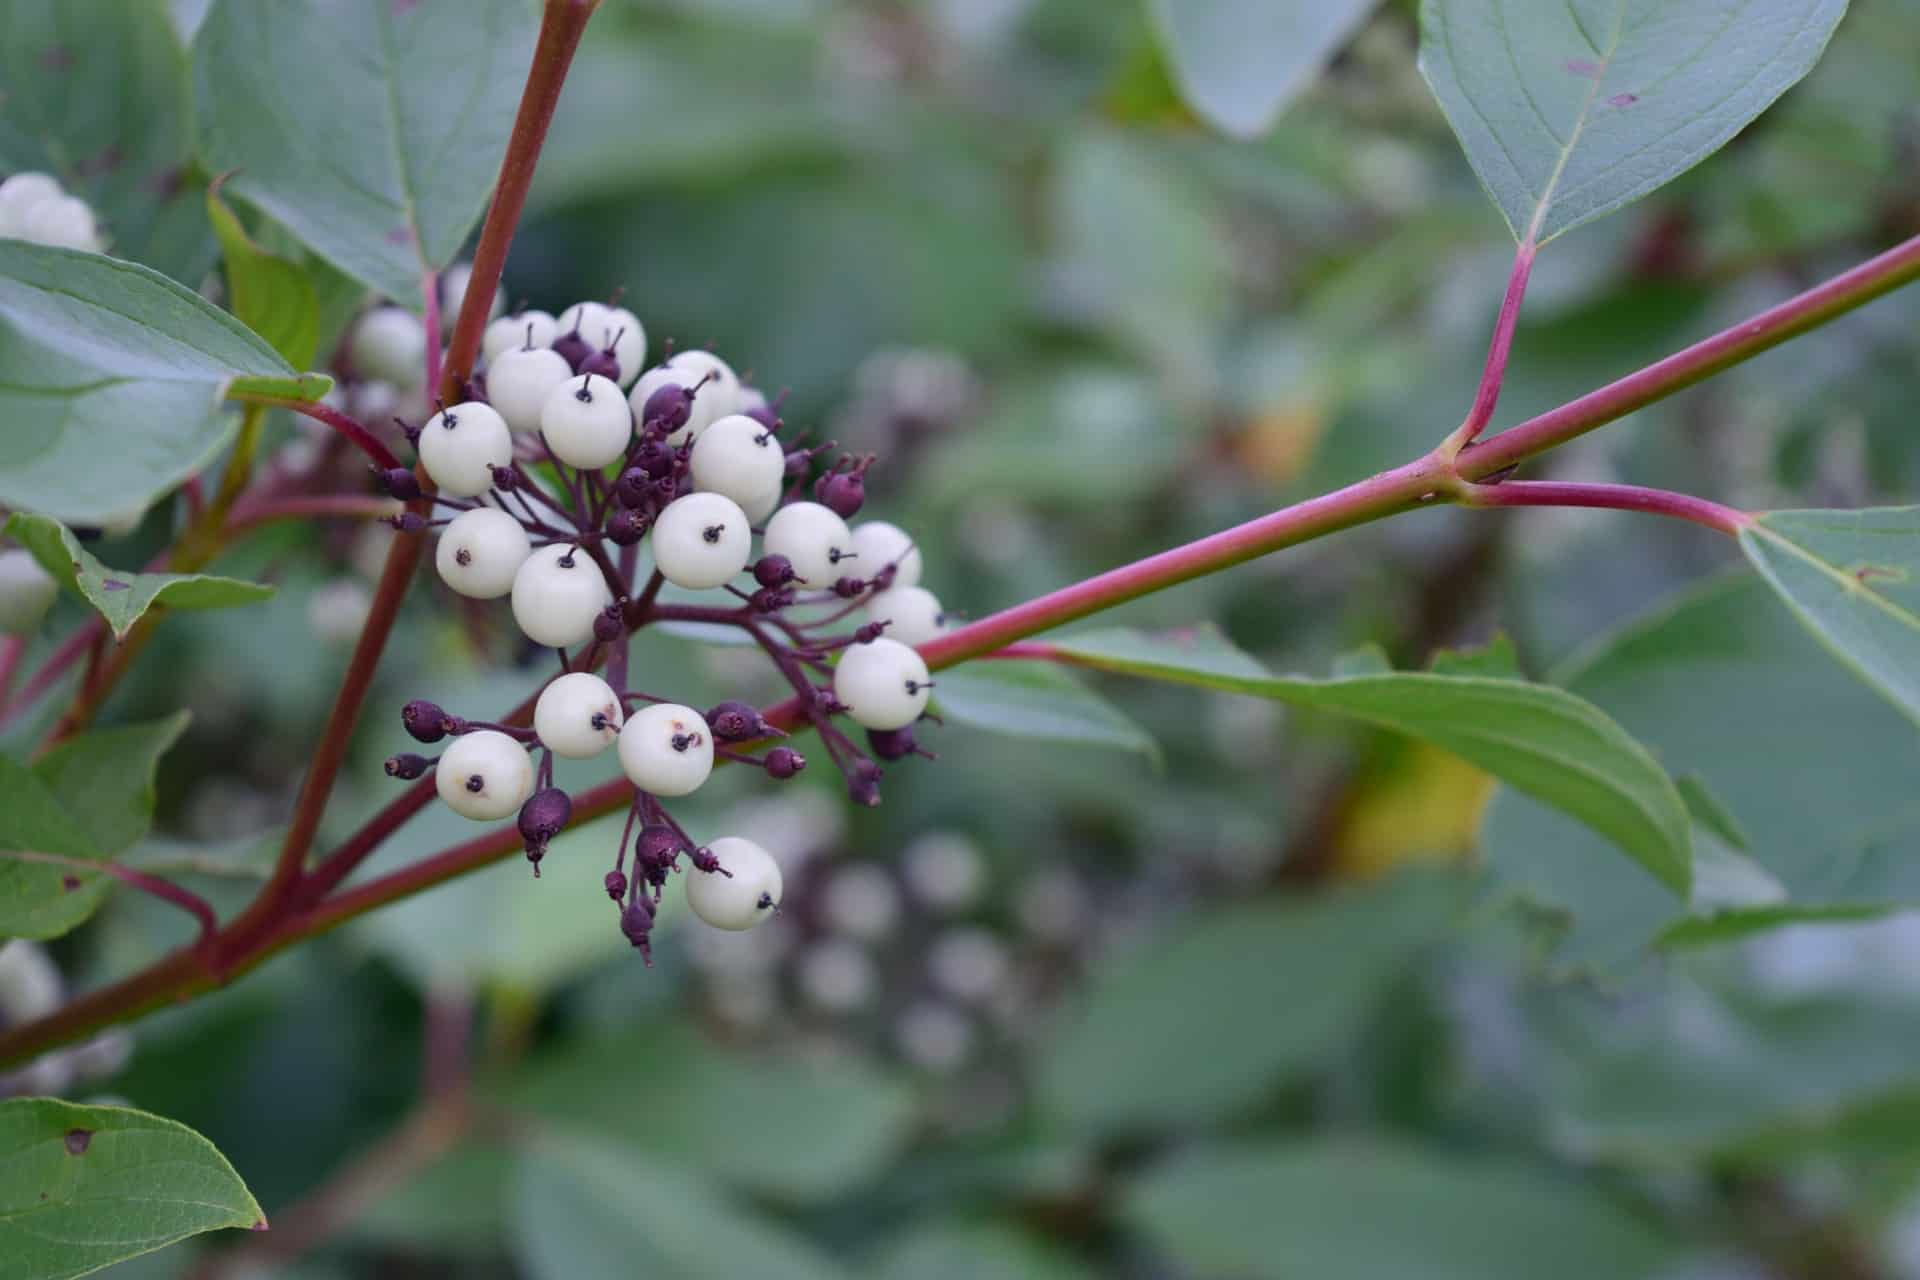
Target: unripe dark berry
[(407, 766), (841, 492), (784, 762), (544, 816), (408, 522), (868, 632), (616, 883), (425, 721), (848, 588), (636, 922), (401, 483), (627, 526), (505, 478), (737, 722), (610, 624), (573, 348), (703, 860), (602, 362), (631, 489), (768, 600), (773, 571), (668, 408), (766, 415), (799, 462), (863, 783), (658, 845), (892, 744), (656, 457)]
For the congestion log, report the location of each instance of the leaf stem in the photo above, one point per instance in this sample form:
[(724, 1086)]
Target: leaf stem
[(165, 890), (1614, 497), (1494, 373), (345, 424)]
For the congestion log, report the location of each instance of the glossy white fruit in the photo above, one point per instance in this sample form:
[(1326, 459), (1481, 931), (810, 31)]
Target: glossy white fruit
[(480, 552), (815, 540), (529, 328), (701, 540), (390, 343), (589, 319), (720, 376), (739, 458), (884, 684), (453, 295), (578, 716), (705, 408), (461, 445), (26, 592), (629, 338), (65, 222), (586, 422), (557, 594), (666, 749), (746, 895), (521, 380), (912, 614), (484, 775), (20, 193), (877, 544)]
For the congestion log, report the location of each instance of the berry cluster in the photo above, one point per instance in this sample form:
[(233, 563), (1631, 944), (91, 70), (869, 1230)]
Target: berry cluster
[(34, 206), (560, 467)]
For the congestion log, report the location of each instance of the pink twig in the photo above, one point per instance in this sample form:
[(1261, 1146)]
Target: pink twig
[(1495, 372), (347, 426), (1613, 497), (430, 291)]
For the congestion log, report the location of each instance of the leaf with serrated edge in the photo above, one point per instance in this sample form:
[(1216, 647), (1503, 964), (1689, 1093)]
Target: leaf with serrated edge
[(121, 598), (92, 347), (1238, 63), (1570, 109), (1850, 577), (82, 1188), (1542, 740), (383, 163)]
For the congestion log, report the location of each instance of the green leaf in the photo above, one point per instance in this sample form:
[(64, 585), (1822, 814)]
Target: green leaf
[(1850, 577), (1542, 740), (1568, 111), (122, 598), (838, 1123), (1240, 62), (84, 1187), (950, 1250), (382, 161), (111, 377), (590, 1208), (1037, 700), (91, 797), (271, 295), (1237, 1000), (1814, 771), (97, 93), (1384, 1211)]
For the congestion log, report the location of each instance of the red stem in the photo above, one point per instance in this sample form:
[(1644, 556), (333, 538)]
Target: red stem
[(345, 424), (1613, 497), (165, 890), (430, 295), (1492, 376)]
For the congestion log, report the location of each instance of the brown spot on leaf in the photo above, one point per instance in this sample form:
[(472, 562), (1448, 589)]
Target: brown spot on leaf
[(1623, 99), (57, 58), (400, 236), (1582, 67), (114, 584), (69, 882), (77, 1141)]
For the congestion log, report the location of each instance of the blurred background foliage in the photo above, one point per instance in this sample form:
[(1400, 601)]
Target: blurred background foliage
[(1215, 991)]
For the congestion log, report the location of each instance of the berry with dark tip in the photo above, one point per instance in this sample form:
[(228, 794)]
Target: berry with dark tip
[(773, 571), (401, 483), (841, 492), (627, 526), (738, 722), (784, 762), (616, 883), (573, 348), (636, 922), (425, 721), (407, 766), (863, 783), (892, 744), (610, 625), (544, 816), (602, 362)]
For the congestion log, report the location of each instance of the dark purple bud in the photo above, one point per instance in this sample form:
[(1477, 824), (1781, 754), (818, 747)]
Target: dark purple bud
[(841, 492), (505, 478), (401, 483), (863, 783), (408, 522), (658, 845), (868, 632), (609, 624), (766, 417), (636, 922), (425, 721), (737, 722), (601, 362), (631, 489), (784, 762), (848, 588), (892, 744), (703, 860), (773, 571), (668, 408), (544, 816), (616, 883), (799, 462), (627, 526), (407, 766), (768, 600), (573, 348), (655, 457)]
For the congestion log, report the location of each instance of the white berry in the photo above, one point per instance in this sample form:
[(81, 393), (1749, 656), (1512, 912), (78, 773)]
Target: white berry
[(666, 749), (912, 614), (884, 684), (814, 540), (390, 343), (20, 193), (26, 591), (461, 445), (878, 544), (520, 380), (453, 295), (704, 409), (578, 716), (65, 222), (528, 329), (745, 895), (629, 341), (701, 540), (480, 552), (484, 775), (586, 422), (738, 457), (557, 594), (721, 379)]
